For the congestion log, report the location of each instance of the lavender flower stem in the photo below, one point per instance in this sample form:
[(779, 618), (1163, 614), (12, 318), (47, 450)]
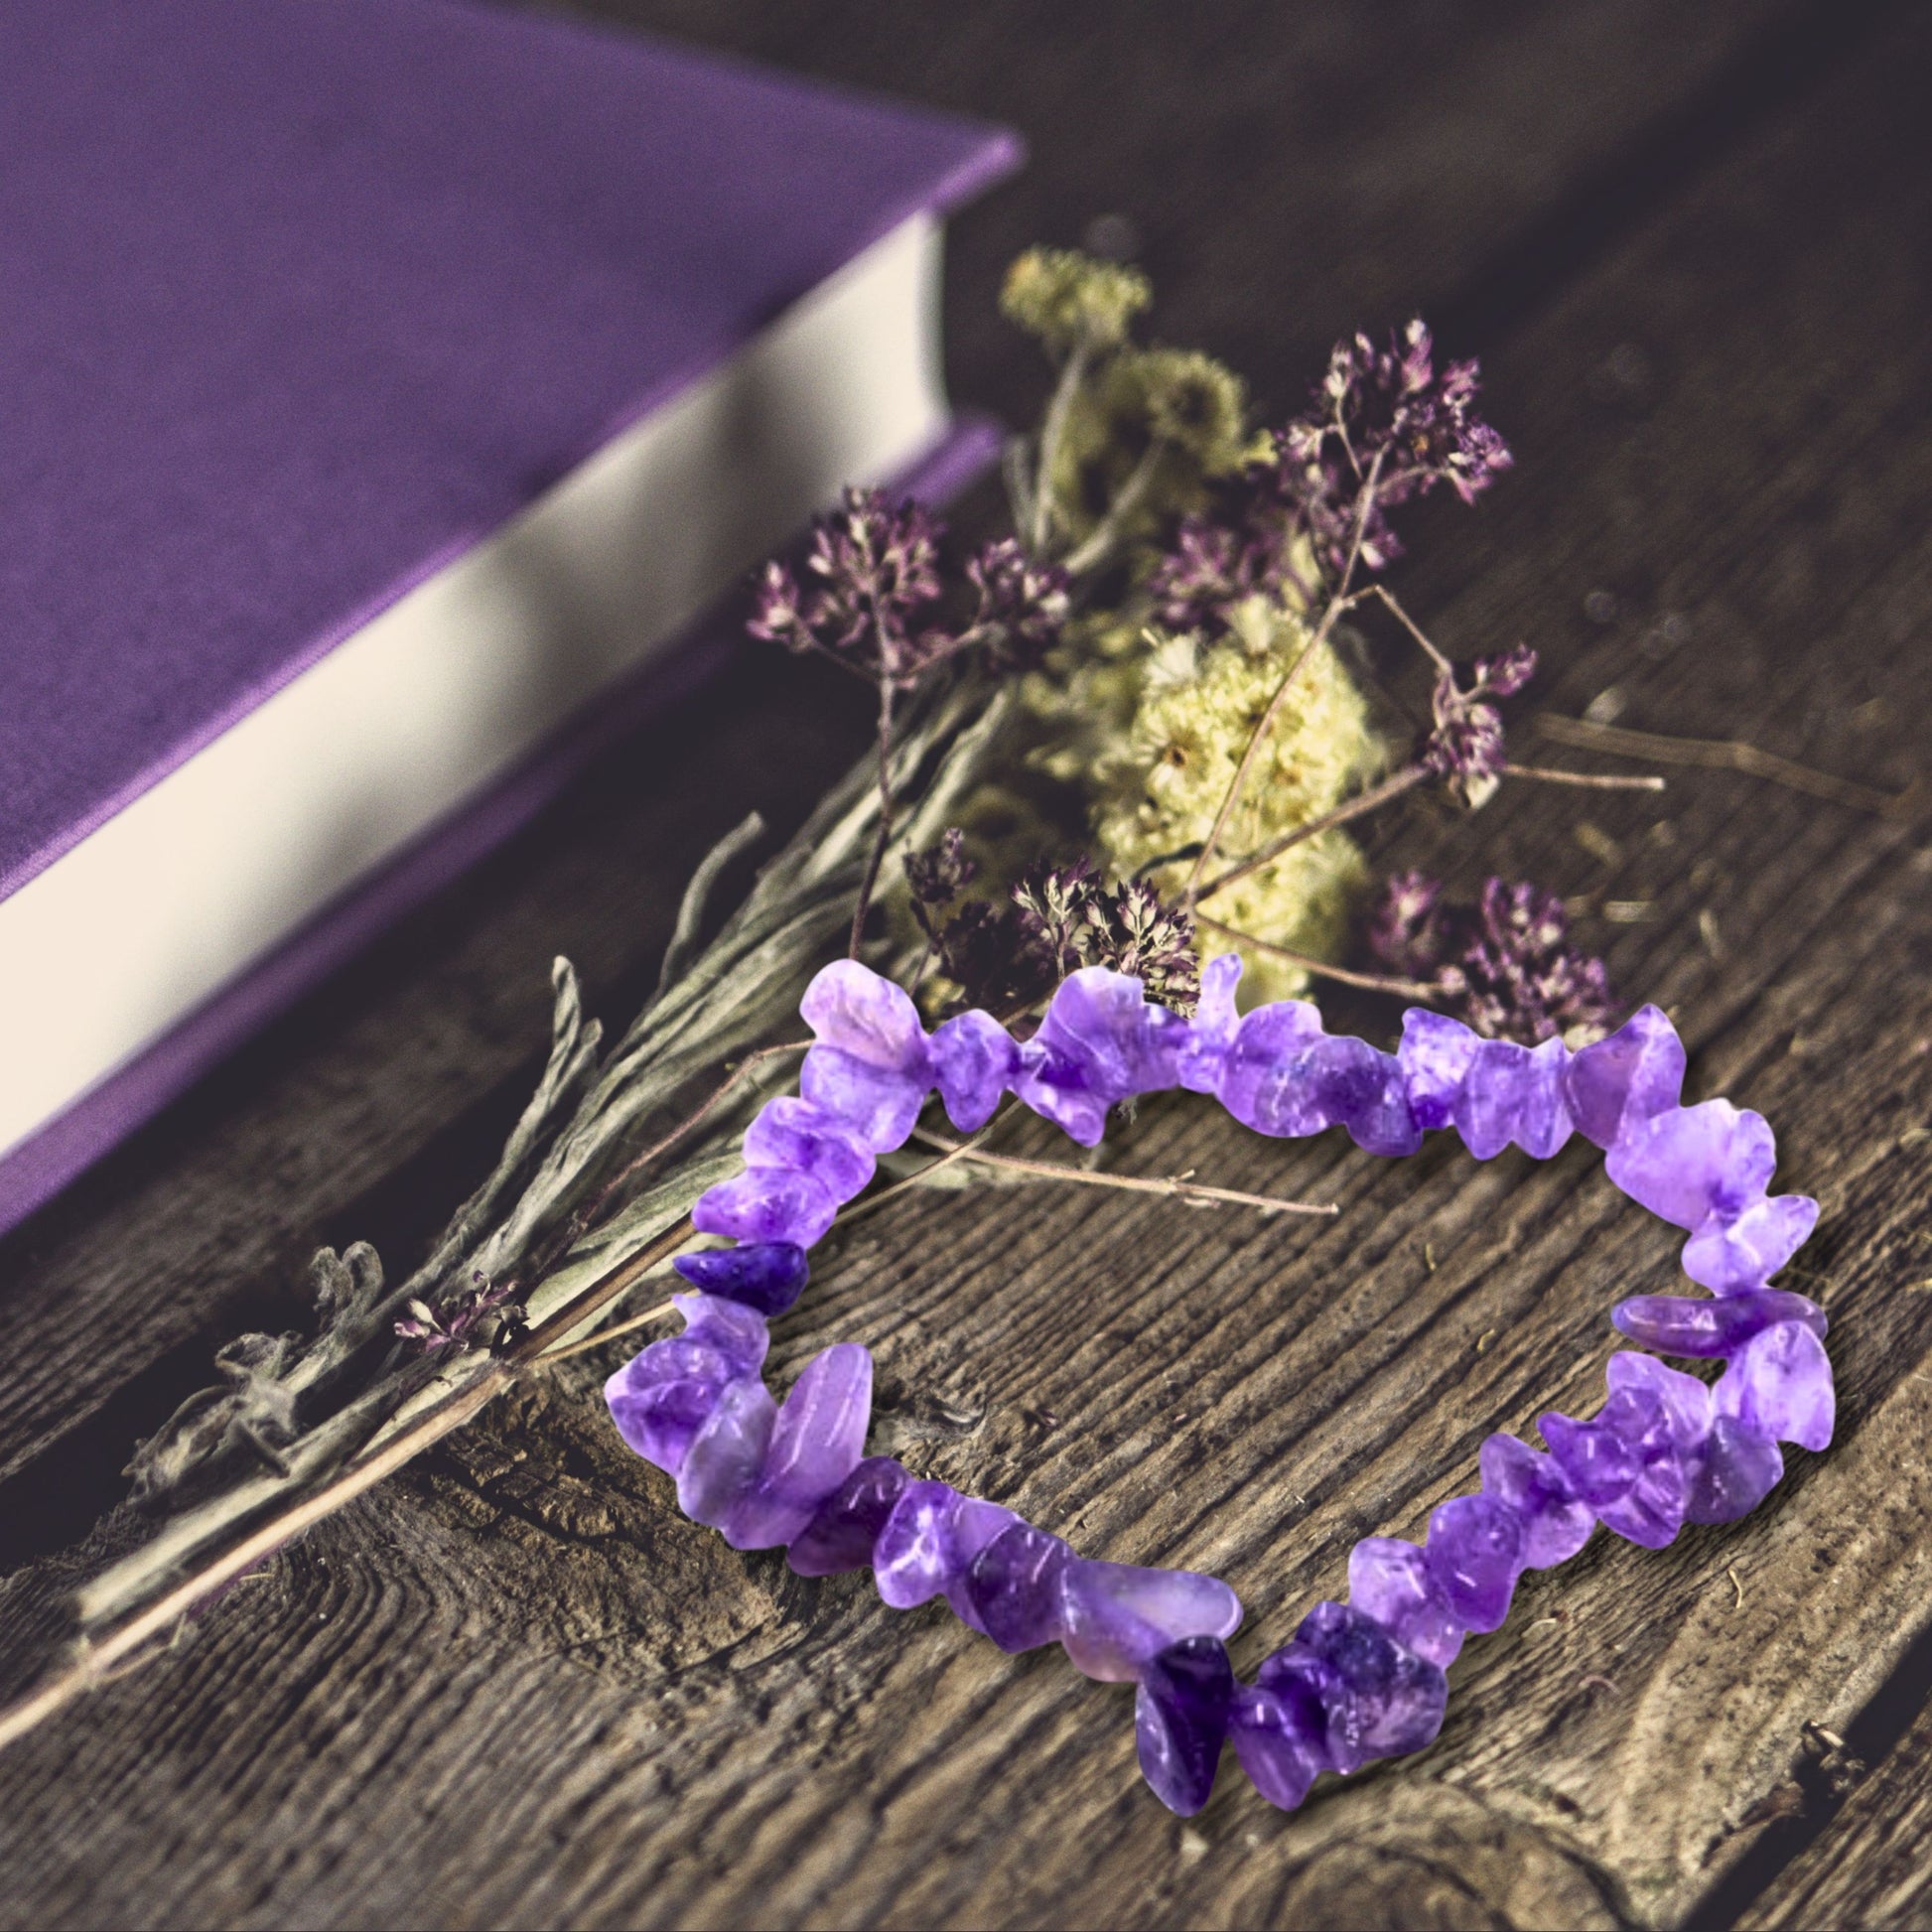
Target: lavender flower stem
[(1364, 508), (1052, 431), (1402, 617), (1588, 781), (1174, 1185), (1363, 803), (883, 835), (1419, 990), (1102, 538)]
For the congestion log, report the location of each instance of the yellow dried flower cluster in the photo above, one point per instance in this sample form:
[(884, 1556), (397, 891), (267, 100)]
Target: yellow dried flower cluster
[(1162, 780), (1145, 729), (1066, 299)]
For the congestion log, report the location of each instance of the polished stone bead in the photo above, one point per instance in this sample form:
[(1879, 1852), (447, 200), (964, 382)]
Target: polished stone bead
[(915, 1558), (1680, 1324), (1780, 1385), (1733, 1254), (1101, 1023), (877, 1108), (973, 1061), (738, 1332), (1180, 1720), (1057, 1088), (1474, 1552), (764, 1276), (975, 1524), (1381, 1699), (1731, 1473), (792, 1133), (1513, 1093), (1690, 1162), (1364, 1092), (728, 1453), (1116, 1616), (1599, 1464), (766, 1205), (1014, 1587), (1684, 1400), (844, 1529), (1434, 1057), (1555, 1522), (872, 1018), (816, 1443), (659, 1418), (1279, 1742), (1266, 1079), (1651, 1510), (1378, 1696), (1203, 1054), (1616, 1084), (1389, 1580)]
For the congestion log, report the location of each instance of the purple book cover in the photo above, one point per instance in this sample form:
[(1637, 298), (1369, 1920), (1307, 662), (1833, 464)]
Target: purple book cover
[(303, 300)]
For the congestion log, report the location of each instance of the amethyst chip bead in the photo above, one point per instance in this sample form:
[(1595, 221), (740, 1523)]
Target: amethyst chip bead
[(1359, 1680)]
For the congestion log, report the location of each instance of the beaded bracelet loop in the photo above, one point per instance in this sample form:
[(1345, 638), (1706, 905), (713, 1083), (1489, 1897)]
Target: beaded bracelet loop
[(1359, 1680)]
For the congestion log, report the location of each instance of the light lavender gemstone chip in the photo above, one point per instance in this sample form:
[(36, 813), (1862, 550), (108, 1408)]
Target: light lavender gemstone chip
[(973, 1061), (867, 1015), (792, 1133), (1557, 1523), (725, 1460), (1514, 1093), (1435, 1057), (1691, 1162), (1117, 1616), (1731, 1254), (1389, 1580), (1618, 1083), (766, 1205), (816, 1443), (1780, 1385), (914, 1558), (877, 1108)]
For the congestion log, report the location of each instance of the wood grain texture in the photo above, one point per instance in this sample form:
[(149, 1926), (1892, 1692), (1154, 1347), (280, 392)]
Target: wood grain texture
[(1869, 1867), (516, 1687)]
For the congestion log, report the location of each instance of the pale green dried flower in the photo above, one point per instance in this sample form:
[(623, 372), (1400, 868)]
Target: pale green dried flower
[(1069, 300)]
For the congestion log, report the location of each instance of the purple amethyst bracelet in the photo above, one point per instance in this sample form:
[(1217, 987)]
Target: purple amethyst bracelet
[(1361, 1680)]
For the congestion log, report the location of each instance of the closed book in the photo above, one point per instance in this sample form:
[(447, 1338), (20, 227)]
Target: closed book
[(392, 387)]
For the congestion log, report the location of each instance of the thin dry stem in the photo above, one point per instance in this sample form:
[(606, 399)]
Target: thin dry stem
[(876, 857), (1585, 780), (1369, 982), (616, 1329), (1105, 534), (1052, 431), (1365, 504), (1370, 800), (1729, 755), (1175, 1186)]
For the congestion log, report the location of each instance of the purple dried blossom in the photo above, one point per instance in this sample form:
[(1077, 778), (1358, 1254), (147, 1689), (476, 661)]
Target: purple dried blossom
[(1057, 920), (1023, 604), (940, 874), (1385, 414), (1504, 965), (1221, 559), (464, 1322), (1075, 921), (875, 589), (1465, 749)]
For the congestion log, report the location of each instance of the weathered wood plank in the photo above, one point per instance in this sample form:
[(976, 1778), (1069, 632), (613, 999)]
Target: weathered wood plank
[(517, 1688), (1869, 1868), (1252, 153)]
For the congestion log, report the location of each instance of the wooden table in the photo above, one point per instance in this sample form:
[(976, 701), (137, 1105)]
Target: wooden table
[(1694, 248)]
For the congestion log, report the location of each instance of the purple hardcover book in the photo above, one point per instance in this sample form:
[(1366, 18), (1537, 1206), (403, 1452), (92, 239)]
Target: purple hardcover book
[(390, 385)]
